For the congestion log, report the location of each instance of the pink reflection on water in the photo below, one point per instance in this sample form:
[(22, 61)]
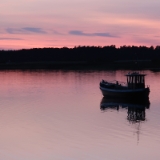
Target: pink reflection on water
[(56, 115)]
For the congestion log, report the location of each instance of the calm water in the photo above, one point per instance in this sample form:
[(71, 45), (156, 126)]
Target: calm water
[(48, 115)]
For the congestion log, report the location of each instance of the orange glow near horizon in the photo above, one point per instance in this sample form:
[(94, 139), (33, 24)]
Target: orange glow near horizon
[(45, 41)]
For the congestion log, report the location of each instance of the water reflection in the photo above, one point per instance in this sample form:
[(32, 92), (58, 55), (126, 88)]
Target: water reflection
[(136, 109)]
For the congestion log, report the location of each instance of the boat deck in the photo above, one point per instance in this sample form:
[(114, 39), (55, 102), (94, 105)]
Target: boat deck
[(113, 85)]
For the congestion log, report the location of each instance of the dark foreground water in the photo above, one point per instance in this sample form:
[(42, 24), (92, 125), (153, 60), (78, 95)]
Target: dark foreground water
[(46, 115)]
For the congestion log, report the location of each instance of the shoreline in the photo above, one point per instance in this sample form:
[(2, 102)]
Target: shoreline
[(80, 65)]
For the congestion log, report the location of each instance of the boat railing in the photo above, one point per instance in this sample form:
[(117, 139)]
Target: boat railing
[(122, 83), (115, 82), (147, 86)]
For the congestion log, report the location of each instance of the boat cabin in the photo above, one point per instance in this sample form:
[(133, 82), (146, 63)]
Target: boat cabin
[(135, 80)]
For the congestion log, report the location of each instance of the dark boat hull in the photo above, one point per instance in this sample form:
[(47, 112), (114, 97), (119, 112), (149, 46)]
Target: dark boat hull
[(126, 93)]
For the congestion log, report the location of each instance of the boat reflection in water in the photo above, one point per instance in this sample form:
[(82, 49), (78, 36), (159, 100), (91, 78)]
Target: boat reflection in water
[(136, 109)]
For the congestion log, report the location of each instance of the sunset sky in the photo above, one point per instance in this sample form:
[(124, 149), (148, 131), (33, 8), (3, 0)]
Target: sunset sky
[(69, 23)]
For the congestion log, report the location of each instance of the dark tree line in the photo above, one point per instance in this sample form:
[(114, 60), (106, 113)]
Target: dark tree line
[(86, 54)]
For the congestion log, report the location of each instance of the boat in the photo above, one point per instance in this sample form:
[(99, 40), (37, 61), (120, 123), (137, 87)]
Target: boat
[(134, 88)]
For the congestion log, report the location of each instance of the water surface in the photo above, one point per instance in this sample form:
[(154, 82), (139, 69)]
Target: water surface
[(48, 115)]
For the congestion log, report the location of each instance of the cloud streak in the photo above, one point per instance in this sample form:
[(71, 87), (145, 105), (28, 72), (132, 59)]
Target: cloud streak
[(34, 30), (25, 30), (11, 39), (99, 34)]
